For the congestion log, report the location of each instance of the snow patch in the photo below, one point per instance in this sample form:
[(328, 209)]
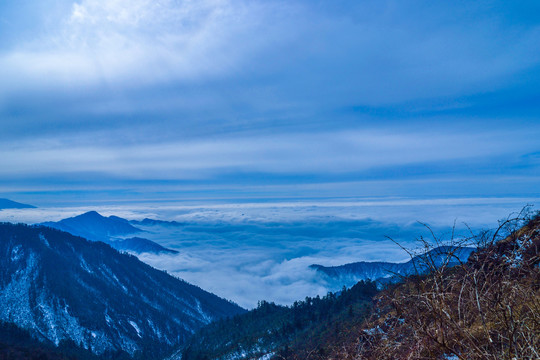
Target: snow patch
[(110, 275), (207, 319), (136, 327), (154, 328), (16, 295), (108, 319), (85, 266), (49, 316), (17, 253), (44, 240)]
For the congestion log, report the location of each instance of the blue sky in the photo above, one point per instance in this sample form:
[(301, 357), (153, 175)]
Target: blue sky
[(231, 99)]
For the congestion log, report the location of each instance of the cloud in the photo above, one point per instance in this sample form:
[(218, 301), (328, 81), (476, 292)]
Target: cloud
[(127, 43), (305, 51), (248, 265), (253, 251), (326, 153)]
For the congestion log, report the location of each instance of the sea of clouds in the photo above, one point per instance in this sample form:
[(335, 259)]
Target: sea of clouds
[(254, 251)]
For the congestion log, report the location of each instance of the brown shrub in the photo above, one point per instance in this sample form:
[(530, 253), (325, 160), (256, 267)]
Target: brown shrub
[(487, 308)]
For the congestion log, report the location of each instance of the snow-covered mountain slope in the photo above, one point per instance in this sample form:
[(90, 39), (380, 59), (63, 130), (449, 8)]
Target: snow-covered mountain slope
[(111, 230), (386, 271), (60, 287)]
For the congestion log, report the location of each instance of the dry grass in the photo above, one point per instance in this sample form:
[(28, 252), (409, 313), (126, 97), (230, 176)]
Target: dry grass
[(487, 308)]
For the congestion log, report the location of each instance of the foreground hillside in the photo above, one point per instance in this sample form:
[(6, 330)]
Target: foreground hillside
[(60, 287), (488, 308), (19, 344)]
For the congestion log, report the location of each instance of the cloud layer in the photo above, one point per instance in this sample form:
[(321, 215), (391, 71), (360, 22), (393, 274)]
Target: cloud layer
[(138, 95), (253, 251)]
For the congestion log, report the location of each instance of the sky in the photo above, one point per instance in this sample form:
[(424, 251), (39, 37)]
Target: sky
[(243, 100)]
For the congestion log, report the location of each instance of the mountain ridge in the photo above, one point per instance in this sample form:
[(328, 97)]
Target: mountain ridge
[(93, 226), (10, 204), (111, 230), (383, 272), (141, 245)]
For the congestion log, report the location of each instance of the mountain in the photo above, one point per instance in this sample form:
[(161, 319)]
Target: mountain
[(110, 230), (61, 287), (140, 245), (153, 222), (383, 272), (316, 327), (93, 226), (17, 343), (9, 204), (307, 329)]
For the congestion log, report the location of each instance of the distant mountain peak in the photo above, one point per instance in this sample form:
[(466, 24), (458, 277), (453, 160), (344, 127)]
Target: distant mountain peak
[(95, 216), (10, 204), (91, 213), (112, 230), (94, 226)]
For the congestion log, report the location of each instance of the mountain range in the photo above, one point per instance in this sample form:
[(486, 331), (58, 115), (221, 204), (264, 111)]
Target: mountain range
[(384, 272), (111, 230), (62, 287), (10, 204)]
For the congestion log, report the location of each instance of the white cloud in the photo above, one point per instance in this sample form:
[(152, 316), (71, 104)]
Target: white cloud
[(140, 42), (336, 152), (369, 52), (273, 270), (251, 252)]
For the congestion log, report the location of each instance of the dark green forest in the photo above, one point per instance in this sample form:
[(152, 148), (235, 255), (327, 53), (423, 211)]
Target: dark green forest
[(314, 325)]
